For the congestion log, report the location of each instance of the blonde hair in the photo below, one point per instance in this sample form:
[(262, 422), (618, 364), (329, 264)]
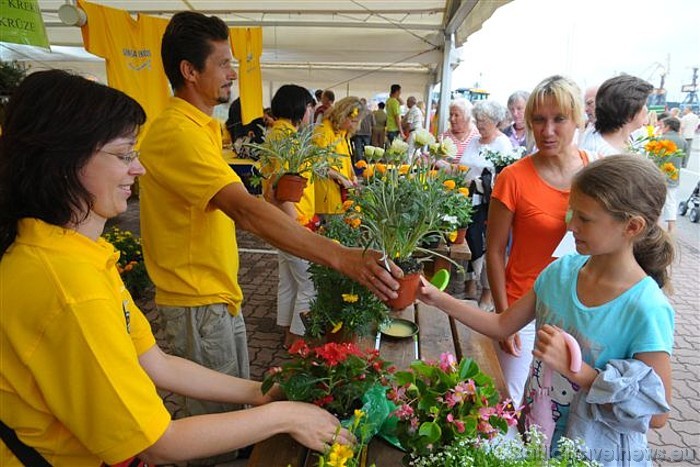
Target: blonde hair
[(565, 93), (632, 186), (343, 110)]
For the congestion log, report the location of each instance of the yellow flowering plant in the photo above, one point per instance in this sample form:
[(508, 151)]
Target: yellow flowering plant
[(342, 307), (401, 204), (665, 154), (342, 455), (130, 263)]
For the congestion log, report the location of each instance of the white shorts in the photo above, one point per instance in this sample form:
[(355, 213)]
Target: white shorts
[(670, 211)]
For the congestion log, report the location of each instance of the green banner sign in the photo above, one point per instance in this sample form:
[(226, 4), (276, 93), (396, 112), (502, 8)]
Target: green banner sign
[(21, 23)]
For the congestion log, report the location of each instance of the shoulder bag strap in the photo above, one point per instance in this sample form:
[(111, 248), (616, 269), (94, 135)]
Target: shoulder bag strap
[(26, 454)]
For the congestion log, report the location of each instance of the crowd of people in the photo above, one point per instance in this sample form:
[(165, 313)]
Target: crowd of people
[(74, 343)]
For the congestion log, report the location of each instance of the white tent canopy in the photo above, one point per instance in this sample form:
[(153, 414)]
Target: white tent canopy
[(355, 47)]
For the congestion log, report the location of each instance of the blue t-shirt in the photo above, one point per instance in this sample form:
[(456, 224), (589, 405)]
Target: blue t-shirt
[(638, 320)]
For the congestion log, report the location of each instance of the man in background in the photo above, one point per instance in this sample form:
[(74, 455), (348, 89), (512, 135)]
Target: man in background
[(393, 114), (689, 125)]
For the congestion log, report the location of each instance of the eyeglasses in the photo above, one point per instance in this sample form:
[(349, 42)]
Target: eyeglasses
[(127, 158)]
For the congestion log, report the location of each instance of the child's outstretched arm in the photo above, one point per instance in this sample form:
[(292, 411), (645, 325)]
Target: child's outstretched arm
[(493, 325)]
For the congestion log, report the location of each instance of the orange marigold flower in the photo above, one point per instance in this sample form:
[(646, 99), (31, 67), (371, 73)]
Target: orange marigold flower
[(464, 191), (368, 172), (347, 204), (403, 169), (433, 173), (462, 168), (381, 168), (361, 164), (449, 184)]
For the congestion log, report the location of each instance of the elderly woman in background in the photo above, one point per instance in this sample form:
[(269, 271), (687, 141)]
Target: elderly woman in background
[(336, 128), (461, 130), (516, 131), (529, 203), (487, 116)]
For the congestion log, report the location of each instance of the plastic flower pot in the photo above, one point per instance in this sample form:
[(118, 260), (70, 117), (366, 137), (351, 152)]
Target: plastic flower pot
[(290, 187), (408, 291)]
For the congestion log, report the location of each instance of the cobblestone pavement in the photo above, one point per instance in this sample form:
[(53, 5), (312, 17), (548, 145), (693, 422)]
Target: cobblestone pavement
[(677, 444)]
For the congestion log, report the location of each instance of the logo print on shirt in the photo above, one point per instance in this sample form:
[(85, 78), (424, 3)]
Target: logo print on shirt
[(127, 315), (138, 60)]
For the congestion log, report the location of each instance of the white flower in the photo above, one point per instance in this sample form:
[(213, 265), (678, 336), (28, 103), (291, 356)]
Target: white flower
[(369, 151), (423, 137), (398, 146)]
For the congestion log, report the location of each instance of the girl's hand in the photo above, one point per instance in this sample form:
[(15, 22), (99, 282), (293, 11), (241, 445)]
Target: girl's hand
[(551, 348), (428, 293), (511, 345)]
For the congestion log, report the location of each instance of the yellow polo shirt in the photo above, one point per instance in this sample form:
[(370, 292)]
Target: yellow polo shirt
[(189, 246), (71, 385), (327, 192)]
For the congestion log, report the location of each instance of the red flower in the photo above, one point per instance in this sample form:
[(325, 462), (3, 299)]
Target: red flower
[(299, 347)]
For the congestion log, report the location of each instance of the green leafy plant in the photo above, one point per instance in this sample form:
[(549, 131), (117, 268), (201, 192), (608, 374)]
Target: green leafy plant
[(457, 206), (500, 160), (504, 452), (341, 305), (11, 74), (334, 376), (400, 204), (441, 402), (294, 152), (130, 265), (350, 456)]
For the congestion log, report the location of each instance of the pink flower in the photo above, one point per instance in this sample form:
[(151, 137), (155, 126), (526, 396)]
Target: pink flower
[(448, 362), (404, 412), (457, 423)]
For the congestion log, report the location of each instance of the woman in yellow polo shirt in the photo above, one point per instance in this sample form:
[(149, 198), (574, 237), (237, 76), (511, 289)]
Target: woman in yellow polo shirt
[(79, 365), (293, 106), (336, 129)]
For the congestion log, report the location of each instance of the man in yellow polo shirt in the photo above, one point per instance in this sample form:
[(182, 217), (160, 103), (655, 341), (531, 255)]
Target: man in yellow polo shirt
[(191, 203)]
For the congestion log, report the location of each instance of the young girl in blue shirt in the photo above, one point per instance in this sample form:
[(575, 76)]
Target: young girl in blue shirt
[(608, 296)]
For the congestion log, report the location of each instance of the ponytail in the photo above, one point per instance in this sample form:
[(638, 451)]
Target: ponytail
[(655, 253)]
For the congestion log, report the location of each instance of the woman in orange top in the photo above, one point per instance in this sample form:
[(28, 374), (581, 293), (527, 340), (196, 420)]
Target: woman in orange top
[(530, 200)]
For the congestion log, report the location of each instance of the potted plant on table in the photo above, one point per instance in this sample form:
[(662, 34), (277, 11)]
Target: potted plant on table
[(400, 204), (342, 309), (291, 160), (333, 376), (441, 402)]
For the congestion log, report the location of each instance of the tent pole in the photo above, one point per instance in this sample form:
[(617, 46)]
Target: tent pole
[(445, 81)]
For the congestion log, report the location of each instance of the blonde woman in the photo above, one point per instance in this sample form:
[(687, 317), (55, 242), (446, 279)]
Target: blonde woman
[(336, 129)]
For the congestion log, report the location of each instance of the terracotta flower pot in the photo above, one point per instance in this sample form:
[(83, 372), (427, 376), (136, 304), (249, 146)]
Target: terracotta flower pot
[(408, 290), (461, 235), (290, 187)]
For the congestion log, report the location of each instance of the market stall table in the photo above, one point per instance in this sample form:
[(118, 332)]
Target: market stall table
[(438, 334)]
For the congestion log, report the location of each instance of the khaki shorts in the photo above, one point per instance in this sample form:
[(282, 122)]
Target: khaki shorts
[(210, 336)]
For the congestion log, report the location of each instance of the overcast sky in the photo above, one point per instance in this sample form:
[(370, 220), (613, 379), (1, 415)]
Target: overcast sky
[(587, 40)]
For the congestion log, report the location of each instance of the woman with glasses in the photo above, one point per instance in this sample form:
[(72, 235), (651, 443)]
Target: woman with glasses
[(79, 365)]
